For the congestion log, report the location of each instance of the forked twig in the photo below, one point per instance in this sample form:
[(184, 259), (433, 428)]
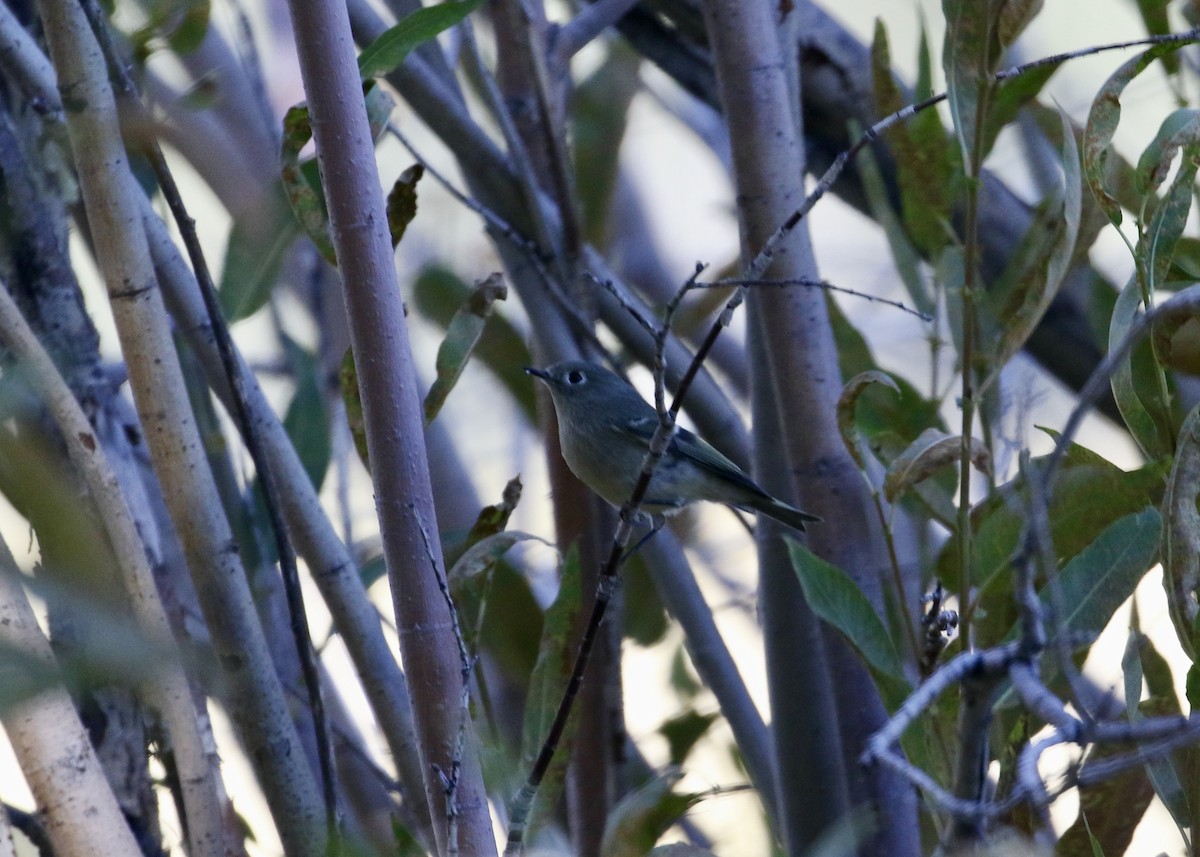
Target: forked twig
[(1016, 661)]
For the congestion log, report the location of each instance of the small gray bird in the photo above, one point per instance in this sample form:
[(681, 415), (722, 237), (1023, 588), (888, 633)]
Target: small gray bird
[(605, 426)]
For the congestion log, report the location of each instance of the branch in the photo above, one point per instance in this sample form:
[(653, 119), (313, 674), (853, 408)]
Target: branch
[(79, 812), (391, 402), (110, 197), (297, 615), (169, 692)]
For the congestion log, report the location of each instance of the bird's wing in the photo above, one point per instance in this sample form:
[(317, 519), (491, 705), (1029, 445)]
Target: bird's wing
[(694, 449), (704, 455)]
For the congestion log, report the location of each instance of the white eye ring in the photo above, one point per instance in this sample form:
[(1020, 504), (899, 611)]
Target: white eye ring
[(575, 377)]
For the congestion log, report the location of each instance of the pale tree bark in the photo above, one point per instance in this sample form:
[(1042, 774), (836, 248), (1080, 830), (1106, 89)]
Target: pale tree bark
[(78, 809), (169, 692), (255, 697), (332, 567)]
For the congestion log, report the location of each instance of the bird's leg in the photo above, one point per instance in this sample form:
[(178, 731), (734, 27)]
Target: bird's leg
[(657, 522)]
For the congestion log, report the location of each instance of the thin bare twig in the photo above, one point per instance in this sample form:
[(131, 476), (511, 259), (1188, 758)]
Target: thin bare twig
[(450, 780), (818, 284), (1057, 59)]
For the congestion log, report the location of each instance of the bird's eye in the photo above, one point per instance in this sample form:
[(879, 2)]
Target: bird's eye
[(575, 377)]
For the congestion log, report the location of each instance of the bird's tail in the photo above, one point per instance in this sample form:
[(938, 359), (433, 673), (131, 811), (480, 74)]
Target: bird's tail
[(783, 513)]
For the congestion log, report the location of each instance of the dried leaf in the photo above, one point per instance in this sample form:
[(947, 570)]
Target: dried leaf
[(929, 453), (848, 401)]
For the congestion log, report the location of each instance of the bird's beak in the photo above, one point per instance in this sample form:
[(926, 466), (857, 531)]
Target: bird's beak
[(537, 373)]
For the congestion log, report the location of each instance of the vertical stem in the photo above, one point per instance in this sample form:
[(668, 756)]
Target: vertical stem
[(824, 703), (974, 164), (966, 607), (391, 409), (255, 697), (76, 803), (169, 694)]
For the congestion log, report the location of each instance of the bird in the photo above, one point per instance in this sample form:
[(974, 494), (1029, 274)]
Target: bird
[(604, 429)]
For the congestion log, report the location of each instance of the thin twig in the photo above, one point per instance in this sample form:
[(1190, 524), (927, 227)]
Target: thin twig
[(1057, 59), (818, 284), (450, 780), (537, 258)]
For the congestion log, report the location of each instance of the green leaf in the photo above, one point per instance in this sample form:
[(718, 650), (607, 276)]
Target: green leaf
[(683, 677), (836, 599), (461, 336), (301, 186), (644, 619), (1163, 772), (307, 420), (301, 179), (191, 27), (512, 626), (438, 294), (254, 254), (1157, 23), (1177, 131), (547, 685), (683, 731), (643, 815), (372, 571), (1181, 536), (1102, 576), (1157, 246), (481, 557), (493, 519), (471, 578), (180, 24), (1089, 495), (977, 35), (1135, 384), (926, 171), (395, 44), (1042, 272), (1011, 96), (1108, 813)]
